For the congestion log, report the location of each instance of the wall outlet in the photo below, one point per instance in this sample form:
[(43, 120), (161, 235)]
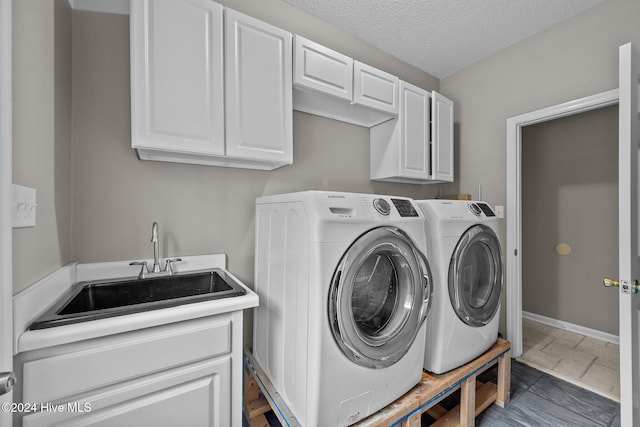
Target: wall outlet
[(499, 211), (24, 206)]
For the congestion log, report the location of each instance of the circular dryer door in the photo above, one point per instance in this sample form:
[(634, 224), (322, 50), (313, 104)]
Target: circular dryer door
[(379, 296), (475, 276)]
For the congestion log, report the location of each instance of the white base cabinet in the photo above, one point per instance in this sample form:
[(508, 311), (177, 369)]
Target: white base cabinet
[(417, 147), (187, 373), (209, 86)]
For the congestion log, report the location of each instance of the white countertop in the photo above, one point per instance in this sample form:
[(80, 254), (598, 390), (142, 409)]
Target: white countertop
[(29, 304)]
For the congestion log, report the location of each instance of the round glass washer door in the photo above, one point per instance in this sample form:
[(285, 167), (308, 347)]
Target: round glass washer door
[(475, 276), (379, 296)]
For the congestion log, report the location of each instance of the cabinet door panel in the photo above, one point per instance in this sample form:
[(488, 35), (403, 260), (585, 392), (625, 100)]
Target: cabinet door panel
[(195, 395), (322, 69), (375, 88), (442, 122), (176, 79), (259, 90), (414, 119)]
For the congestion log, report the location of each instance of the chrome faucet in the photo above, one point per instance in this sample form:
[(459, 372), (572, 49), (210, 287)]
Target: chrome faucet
[(155, 270), (154, 240)]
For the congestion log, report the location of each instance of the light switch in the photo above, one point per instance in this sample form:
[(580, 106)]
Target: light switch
[(24, 206)]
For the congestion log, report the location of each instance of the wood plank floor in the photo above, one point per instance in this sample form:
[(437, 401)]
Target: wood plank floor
[(537, 399)]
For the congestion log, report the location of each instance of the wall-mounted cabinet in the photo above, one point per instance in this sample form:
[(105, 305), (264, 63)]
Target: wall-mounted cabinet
[(442, 138), (209, 86), (417, 147), (330, 84)]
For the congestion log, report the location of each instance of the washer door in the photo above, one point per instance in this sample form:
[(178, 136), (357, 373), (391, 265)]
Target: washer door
[(475, 276), (379, 296)]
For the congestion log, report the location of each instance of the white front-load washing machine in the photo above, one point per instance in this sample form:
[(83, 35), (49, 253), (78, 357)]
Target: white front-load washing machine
[(466, 262), (344, 290)]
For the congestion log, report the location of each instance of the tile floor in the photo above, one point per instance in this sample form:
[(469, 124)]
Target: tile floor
[(584, 361), (537, 399)]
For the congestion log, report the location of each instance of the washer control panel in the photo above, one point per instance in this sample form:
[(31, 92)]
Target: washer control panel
[(405, 207)]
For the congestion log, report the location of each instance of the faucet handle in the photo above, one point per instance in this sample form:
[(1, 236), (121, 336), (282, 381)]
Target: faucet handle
[(143, 271), (168, 267)]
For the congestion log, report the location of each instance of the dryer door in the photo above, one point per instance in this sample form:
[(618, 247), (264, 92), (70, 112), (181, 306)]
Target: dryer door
[(475, 276), (379, 296)]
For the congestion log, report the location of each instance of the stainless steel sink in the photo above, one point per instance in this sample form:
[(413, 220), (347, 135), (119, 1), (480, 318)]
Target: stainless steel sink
[(101, 299)]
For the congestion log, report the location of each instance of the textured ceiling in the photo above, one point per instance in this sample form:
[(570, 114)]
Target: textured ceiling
[(443, 36)]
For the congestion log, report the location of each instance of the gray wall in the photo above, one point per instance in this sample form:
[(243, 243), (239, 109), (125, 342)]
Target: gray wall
[(570, 195), (200, 209), (41, 134), (571, 60)]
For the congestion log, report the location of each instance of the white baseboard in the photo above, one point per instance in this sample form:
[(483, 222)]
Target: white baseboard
[(593, 333)]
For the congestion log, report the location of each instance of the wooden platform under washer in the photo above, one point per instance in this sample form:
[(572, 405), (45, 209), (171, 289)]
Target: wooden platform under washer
[(408, 409)]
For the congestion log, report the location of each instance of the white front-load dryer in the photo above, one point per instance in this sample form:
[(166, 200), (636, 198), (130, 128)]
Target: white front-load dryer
[(466, 262), (344, 289)]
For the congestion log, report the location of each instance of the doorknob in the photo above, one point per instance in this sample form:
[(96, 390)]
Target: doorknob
[(7, 381), (627, 286)]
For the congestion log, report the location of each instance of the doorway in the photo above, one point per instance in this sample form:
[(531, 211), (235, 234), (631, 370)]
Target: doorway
[(569, 243), (513, 260)]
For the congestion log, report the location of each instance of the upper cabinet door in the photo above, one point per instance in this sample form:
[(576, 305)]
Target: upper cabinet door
[(442, 135), (177, 76), (414, 122), (375, 88), (322, 69), (258, 67)]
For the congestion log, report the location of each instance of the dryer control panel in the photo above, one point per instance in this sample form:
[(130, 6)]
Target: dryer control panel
[(486, 209)]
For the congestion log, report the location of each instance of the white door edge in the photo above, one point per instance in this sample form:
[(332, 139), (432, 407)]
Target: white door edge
[(6, 282), (629, 263), (513, 262)]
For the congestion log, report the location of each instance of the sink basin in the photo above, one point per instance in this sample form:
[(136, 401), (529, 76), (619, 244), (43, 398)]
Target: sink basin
[(100, 299)]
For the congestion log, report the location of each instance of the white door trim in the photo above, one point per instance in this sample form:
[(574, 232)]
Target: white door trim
[(6, 281), (514, 202)]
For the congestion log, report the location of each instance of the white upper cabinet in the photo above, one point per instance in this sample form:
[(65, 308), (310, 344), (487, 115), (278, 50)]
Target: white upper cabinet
[(176, 76), (209, 86), (417, 147), (322, 69), (414, 132), (259, 90), (375, 88), (442, 135), (330, 84)]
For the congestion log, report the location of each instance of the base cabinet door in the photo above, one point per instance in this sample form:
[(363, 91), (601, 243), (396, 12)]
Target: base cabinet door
[(193, 395)]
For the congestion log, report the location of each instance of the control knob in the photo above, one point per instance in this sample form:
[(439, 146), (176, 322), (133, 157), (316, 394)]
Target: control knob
[(382, 206)]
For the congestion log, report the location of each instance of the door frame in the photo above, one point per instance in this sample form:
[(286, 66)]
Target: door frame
[(6, 245), (513, 261)]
